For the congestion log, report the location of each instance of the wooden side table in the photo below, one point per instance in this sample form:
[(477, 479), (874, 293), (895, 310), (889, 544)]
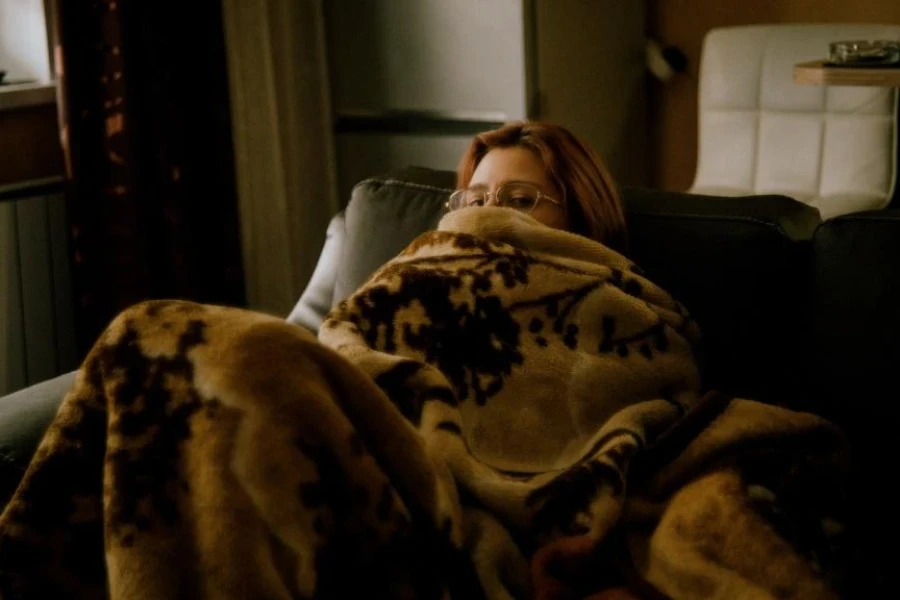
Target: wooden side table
[(817, 73)]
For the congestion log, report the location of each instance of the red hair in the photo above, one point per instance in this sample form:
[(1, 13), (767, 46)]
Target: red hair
[(588, 191)]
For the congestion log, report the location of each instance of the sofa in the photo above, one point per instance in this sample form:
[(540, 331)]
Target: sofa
[(794, 311)]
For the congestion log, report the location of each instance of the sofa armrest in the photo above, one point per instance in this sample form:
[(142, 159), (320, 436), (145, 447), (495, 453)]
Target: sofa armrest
[(24, 417), (317, 298)]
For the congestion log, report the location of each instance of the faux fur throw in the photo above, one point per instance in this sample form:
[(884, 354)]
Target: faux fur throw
[(502, 411)]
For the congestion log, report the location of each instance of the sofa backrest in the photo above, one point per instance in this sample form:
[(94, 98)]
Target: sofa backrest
[(384, 215), (735, 264), (742, 277)]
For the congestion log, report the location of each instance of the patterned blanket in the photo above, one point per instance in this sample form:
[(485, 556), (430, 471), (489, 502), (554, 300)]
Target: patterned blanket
[(502, 411)]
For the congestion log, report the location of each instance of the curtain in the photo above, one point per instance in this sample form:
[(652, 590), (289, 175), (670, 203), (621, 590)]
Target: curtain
[(281, 115), (146, 131)]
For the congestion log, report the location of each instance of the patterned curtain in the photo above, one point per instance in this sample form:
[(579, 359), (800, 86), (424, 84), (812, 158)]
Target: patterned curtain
[(146, 131)]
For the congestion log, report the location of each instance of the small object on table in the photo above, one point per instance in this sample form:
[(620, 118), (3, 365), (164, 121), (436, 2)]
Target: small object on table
[(2, 75), (864, 53)]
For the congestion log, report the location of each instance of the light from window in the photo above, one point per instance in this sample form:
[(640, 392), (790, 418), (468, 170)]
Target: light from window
[(24, 53)]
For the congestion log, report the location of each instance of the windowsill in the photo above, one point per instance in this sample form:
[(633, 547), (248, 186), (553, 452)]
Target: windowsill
[(30, 188), (21, 95)]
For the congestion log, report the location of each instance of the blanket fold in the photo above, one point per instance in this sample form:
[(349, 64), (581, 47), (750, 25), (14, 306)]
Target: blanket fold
[(482, 418)]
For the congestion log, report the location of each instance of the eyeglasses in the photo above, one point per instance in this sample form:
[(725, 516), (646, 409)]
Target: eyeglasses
[(523, 197)]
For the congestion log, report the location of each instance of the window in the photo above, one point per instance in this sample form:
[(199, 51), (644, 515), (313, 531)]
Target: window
[(24, 51), (25, 54)]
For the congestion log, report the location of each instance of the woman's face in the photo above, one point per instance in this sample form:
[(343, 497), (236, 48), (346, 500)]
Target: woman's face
[(516, 164)]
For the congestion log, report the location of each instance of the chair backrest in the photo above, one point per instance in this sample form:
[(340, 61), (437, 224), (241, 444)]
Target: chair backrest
[(832, 147)]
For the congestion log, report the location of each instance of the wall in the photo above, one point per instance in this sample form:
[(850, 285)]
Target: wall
[(591, 77), (29, 143), (683, 23)]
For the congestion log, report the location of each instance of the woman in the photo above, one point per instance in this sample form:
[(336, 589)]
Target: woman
[(510, 387)]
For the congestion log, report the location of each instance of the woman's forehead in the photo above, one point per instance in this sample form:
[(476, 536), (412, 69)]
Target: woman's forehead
[(513, 164)]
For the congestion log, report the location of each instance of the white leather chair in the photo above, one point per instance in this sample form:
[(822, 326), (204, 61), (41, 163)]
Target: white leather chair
[(834, 148)]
